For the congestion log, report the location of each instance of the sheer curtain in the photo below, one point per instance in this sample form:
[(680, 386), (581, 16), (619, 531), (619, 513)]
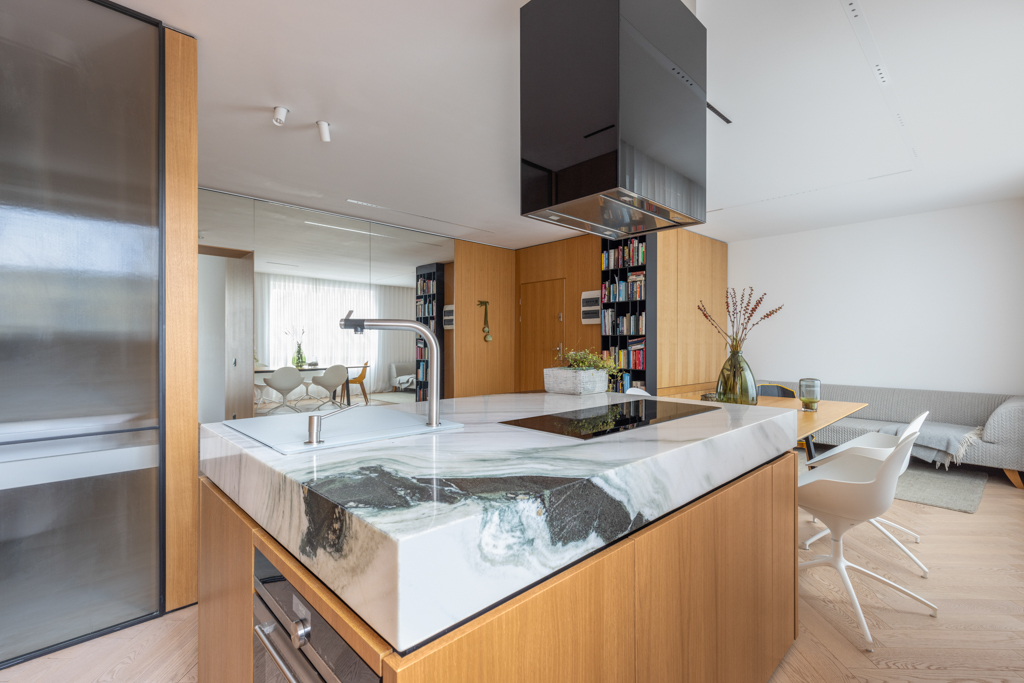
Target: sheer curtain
[(289, 309)]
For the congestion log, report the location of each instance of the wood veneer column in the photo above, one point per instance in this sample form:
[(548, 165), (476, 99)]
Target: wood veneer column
[(181, 315)]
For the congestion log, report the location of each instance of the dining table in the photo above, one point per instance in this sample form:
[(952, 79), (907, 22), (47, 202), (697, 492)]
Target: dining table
[(810, 421)]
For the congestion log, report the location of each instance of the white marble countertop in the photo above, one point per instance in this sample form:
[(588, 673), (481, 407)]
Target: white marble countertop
[(419, 533)]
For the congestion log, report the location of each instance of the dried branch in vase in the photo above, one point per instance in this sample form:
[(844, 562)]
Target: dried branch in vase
[(741, 310)]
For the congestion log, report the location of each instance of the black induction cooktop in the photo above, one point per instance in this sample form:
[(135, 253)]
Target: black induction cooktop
[(588, 423)]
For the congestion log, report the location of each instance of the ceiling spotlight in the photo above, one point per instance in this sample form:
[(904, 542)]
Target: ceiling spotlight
[(280, 114), (325, 131)]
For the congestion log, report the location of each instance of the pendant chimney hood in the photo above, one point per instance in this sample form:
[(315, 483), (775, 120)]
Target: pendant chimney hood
[(613, 115)]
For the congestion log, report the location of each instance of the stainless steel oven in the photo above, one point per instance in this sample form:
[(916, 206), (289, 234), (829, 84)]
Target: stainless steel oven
[(292, 643)]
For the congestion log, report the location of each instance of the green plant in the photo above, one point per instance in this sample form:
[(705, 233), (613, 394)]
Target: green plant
[(587, 360)]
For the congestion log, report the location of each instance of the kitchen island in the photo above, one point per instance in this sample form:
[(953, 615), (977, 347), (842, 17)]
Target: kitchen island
[(425, 536)]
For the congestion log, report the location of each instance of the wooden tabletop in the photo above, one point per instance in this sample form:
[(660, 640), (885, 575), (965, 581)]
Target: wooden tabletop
[(810, 422)]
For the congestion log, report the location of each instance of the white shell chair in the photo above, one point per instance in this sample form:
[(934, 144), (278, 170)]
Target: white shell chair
[(881, 445), (284, 381), (639, 392), (333, 377), (846, 493)]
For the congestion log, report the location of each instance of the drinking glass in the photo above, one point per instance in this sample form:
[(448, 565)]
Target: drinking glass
[(810, 394)]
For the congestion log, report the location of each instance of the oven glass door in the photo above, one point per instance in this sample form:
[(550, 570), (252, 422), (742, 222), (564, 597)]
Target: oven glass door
[(274, 658)]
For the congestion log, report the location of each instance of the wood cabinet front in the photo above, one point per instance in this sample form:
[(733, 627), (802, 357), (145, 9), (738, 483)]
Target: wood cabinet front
[(715, 586)]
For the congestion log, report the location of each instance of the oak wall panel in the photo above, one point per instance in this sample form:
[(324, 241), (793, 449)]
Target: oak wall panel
[(691, 268), (181, 310), (484, 273)]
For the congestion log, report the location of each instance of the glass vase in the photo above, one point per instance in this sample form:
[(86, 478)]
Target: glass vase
[(299, 358), (736, 381)]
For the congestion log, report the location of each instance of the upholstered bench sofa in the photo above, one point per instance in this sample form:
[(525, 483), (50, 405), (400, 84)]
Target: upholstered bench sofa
[(979, 429)]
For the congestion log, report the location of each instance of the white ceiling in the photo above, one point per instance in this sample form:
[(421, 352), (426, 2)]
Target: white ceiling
[(423, 104)]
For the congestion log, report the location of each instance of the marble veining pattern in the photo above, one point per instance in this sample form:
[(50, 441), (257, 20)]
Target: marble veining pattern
[(420, 532)]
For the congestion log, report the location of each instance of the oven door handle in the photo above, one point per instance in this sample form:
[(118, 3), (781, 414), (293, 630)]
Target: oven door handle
[(286, 670)]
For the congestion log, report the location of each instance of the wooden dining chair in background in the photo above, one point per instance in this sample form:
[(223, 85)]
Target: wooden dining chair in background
[(359, 379)]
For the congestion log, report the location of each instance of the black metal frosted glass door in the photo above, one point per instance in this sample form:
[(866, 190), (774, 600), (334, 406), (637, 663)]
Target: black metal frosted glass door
[(80, 257)]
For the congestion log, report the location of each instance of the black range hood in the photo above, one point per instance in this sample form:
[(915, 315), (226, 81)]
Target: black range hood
[(613, 114)]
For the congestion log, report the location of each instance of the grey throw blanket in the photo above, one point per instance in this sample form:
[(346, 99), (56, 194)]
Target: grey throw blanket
[(953, 439)]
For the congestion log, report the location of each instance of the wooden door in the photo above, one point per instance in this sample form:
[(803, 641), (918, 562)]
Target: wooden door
[(541, 330), (238, 337)]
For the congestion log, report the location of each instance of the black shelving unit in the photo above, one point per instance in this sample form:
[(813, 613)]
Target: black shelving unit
[(629, 309), (429, 309)]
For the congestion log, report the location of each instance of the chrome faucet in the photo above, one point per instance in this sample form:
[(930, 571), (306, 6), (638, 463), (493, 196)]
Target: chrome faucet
[(433, 362)]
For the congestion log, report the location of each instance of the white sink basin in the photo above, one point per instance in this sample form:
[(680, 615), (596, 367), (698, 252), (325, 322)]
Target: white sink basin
[(287, 433)]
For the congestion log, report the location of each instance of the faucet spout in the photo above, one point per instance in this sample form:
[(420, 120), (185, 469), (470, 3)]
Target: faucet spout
[(433, 356)]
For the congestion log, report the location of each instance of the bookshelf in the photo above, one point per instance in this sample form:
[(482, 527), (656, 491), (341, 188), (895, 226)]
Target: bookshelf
[(628, 309), (429, 309)]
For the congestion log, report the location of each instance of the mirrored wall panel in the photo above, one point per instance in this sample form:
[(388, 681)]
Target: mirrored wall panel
[(309, 269)]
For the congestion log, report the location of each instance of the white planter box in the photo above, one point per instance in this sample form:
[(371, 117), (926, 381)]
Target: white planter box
[(576, 382)]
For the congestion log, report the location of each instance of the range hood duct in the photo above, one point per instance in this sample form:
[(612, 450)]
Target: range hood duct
[(613, 115)]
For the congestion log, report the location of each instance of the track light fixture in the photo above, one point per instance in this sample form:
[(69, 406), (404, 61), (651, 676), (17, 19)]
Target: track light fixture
[(325, 131), (280, 114)]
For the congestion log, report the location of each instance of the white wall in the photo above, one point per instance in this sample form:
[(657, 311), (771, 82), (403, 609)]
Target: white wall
[(927, 301), (212, 363)]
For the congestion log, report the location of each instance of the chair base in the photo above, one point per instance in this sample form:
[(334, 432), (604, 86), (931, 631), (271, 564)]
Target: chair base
[(837, 561), (282, 405), (806, 545)]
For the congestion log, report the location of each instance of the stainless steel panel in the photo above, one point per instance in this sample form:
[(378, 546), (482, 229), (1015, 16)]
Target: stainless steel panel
[(79, 205), (79, 321), (79, 547)]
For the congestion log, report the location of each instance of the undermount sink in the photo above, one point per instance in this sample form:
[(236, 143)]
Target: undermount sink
[(287, 434)]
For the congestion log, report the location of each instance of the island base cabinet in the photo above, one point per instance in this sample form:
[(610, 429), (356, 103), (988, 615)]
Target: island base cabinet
[(716, 583), (706, 594), (577, 627)]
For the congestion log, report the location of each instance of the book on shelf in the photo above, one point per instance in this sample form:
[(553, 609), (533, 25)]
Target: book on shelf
[(633, 288), (627, 255), (425, 286)]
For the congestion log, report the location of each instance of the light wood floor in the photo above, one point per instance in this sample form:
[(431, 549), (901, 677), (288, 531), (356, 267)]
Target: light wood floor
[(976, 579), (163, 650)]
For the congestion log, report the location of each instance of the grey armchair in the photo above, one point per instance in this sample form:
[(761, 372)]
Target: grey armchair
[(402, 376)]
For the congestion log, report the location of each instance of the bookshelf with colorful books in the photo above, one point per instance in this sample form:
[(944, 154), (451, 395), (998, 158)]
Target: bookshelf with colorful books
[(429, 307), (628, 306)]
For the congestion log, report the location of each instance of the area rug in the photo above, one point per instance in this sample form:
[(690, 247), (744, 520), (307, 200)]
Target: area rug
[(958, 489)]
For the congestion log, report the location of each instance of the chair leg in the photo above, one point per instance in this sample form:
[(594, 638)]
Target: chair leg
[(917, 539), (366, 397), (924, 569), (839, 563), (845, 576), (896, 587), (806, 545)]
